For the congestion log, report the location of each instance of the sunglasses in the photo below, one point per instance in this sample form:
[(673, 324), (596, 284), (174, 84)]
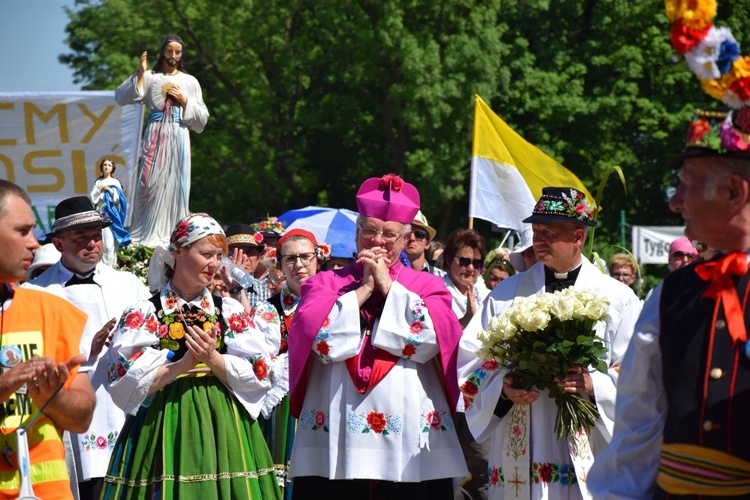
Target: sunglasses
[(682, 255), (419, 234), (465, 261)]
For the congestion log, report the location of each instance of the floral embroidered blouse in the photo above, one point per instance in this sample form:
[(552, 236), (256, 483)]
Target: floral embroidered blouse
[(145, 336)]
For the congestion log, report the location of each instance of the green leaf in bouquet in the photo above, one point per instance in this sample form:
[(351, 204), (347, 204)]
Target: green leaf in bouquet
[(601, 366), (539, 357)]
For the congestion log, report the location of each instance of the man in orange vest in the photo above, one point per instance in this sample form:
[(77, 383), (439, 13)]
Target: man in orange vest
[(39, 337)]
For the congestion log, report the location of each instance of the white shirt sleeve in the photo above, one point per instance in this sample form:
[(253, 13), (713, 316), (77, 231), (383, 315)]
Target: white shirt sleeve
[(628, 467)]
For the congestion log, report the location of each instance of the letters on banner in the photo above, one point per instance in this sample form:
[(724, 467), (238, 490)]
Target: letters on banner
[(51, 144), (651, 243)]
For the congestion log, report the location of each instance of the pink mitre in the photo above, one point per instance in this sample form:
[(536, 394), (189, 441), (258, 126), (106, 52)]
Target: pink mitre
[(388, 198)]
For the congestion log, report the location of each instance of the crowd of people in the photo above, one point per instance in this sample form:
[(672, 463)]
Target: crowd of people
[(289, 372)]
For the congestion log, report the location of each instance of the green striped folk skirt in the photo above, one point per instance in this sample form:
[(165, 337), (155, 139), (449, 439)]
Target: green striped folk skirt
[(194, 440)]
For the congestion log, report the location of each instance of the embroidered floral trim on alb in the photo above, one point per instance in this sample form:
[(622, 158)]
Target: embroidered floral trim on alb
[(470, 388), (313, 420), (436, 420), (374, 422), (321, 341), (414, 339)]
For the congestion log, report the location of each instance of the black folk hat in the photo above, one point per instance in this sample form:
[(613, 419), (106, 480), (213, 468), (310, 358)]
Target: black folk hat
[(562, 204), (76, 213)]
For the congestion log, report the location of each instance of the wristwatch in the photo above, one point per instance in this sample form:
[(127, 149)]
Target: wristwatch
[(235, 290)]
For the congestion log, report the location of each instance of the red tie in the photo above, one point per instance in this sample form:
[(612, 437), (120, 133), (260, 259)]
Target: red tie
[(723, 290)]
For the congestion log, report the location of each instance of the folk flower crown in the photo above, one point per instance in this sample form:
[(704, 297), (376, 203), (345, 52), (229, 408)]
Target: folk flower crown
[(714, 56)]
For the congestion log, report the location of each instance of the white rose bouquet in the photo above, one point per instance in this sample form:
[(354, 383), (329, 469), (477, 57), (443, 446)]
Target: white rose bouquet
[(540, 338)]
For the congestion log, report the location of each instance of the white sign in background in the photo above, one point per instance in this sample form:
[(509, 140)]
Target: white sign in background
[(51, 144), (651, 243)]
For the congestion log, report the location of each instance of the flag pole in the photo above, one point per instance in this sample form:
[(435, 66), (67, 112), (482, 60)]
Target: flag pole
[(471, 222)]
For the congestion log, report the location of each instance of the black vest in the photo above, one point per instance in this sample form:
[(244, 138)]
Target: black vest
[(706, 381)]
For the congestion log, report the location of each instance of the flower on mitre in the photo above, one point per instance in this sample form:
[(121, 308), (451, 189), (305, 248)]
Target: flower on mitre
[(684, 39), (376, 421), (258, 237), (237, 323), (320, 419), (393, 181), (151, 324), (697, 130), (433, 418), (323, 348), (176, 331), (408, 350), (416, 327), (260, 368), (134, 319)]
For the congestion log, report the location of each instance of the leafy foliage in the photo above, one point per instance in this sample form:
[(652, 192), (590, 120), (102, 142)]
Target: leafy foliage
[(309, 98)]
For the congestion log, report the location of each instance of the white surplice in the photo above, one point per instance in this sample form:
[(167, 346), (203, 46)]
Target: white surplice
[(526, 459), (401, 429)]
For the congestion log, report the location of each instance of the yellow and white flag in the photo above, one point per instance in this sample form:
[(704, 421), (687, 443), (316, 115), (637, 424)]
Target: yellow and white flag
[(508, 173)]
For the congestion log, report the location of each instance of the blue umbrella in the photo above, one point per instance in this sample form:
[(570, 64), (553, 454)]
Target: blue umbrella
[(335, 226)]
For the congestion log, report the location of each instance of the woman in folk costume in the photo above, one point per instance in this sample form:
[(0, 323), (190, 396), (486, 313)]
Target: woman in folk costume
[(109, 199), (299, 257), (372, 367), (175, 102), (192, 370)]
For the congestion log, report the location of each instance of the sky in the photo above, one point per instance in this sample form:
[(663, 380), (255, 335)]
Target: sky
[(32, 35)]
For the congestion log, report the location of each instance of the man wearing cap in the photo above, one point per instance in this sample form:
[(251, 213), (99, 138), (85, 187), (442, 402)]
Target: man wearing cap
[(246, 241), (514, 418), (39, 337), (103, 293), (418, 242), (682, 404), (372, 367)]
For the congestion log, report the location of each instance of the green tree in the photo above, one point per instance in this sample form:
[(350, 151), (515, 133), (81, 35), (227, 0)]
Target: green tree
[(308, 98)]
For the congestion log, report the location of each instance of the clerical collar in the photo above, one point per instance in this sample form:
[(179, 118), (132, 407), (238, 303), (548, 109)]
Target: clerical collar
[(572, 275)]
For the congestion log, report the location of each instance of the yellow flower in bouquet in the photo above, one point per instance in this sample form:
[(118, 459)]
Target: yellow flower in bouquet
[(540, 338)]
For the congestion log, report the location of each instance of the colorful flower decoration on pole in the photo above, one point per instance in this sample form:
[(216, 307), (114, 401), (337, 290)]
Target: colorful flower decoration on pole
[(714, 56)]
